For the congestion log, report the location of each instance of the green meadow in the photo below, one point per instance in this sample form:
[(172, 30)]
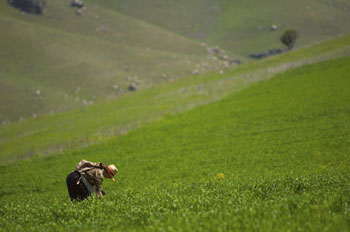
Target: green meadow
[(273, 156), (209, 139)]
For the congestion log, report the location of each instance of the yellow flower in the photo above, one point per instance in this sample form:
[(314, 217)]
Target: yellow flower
[(220, 176)]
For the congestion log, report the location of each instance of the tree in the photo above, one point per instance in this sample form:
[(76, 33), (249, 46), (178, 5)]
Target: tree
[(288, 38)]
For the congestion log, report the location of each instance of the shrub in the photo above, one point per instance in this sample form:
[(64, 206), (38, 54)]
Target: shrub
[(288, 38)]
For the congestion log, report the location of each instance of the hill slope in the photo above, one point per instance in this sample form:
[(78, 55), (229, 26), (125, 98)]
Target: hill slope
[(271, 157), (78, 60), (52, 133), (242, 27)]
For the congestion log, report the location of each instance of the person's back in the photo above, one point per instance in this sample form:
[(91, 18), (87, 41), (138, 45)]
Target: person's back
[(87, 178)]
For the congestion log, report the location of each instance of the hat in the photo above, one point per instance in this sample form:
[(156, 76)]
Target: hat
[(112, 170)]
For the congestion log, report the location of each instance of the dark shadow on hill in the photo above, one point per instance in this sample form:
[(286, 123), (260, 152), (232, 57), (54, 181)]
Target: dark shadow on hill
[(29, 6)]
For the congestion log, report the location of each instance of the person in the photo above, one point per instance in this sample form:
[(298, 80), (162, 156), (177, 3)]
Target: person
[(87, 178)]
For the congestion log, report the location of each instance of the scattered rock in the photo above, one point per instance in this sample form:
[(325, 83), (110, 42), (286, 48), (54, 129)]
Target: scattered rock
[(101, 29), (34, 115), (195, 72), (132, 87), (235, 62), (223, 57), (29, 6), (273, 27), (221, 71), (275, 51), (77, 3), (271, 52), (258, 55), (77, 90), (115, 87), (37, 92), (3, 122), (79, 11)]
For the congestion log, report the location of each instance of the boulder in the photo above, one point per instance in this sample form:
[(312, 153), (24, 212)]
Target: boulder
[(132, 87), (29, 6), (273, 27), (77, 3)]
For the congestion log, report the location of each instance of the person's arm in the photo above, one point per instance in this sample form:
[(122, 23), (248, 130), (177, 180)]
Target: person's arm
[(99, 191)]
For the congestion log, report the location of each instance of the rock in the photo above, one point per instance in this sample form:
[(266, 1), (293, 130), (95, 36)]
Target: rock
[(34, 115), (258, 55), (273, 27), (77, 3), (132, 87), (233, 62), (271, 52), (3, 122), (275, 51), (101, 29), (115, 87), (223, 57), (37, 92), (79, 11), (29, 6), (195, 72), (221, 71)]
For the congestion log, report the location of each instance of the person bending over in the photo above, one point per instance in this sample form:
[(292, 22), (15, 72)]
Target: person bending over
[(87, 178)]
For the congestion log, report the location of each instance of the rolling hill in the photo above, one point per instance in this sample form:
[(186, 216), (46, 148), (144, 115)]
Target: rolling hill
[(93, 124), (62, 60)]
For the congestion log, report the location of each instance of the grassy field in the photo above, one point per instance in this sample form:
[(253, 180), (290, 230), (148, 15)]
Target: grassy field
[(52, 133), (273, 156)]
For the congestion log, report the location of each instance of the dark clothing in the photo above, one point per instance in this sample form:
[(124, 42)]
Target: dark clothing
[(93, 173), (76, 191)]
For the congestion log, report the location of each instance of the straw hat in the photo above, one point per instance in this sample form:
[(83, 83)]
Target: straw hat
[(112, 170)]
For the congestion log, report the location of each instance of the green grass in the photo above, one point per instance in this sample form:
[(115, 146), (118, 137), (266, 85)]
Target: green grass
[(90, 125), (281, 145)]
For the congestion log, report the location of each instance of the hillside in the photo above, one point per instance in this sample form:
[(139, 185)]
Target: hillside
[(53, 133), (80, 60), (273, 156), (63, 60), (243, 27)]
